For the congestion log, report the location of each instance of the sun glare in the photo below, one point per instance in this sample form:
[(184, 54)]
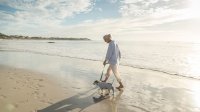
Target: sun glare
[(194, 8), (196, 91)]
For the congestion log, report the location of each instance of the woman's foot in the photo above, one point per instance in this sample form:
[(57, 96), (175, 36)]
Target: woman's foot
[(120, 86)]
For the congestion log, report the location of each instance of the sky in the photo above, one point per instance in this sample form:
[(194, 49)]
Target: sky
[(140, 20)]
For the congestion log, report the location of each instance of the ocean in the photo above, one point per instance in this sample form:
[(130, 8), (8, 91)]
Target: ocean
[(174, 58)]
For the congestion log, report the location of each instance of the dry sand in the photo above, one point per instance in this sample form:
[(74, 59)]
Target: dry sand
[(25, 91)]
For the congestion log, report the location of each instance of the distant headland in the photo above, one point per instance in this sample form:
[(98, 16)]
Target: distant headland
[(19, 37)]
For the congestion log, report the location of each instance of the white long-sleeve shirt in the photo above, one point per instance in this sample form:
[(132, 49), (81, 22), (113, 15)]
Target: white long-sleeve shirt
[(113, 54)]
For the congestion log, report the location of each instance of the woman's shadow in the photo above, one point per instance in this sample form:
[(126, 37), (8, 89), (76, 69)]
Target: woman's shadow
[(79, 101)]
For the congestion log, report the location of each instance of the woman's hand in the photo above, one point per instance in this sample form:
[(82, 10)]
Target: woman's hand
[(104, 63)]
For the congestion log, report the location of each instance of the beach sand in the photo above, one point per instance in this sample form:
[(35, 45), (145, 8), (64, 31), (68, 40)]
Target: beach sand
[(27, 91), (24, 91), (60, 84)]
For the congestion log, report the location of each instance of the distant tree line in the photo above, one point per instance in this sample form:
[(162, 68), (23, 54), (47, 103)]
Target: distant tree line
[(3, 36)]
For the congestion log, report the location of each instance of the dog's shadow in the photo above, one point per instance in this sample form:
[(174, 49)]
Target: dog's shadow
[(80, 101)]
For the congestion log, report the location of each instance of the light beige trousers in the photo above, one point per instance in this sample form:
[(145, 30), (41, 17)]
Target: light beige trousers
[(114, 69)]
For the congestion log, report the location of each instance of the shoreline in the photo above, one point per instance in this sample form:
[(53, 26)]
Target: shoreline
[(125, 65)]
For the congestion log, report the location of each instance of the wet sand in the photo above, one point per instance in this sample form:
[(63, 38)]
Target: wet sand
[(59, 84)]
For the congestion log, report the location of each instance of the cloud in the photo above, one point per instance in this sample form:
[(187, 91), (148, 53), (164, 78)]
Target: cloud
[(113, 1), (49, 13), (139, 18), (40, 16), (137, 8), (6, 16), (99, 9), (50, 8)]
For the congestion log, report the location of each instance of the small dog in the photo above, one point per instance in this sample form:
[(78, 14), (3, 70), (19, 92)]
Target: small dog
[(104, 85)]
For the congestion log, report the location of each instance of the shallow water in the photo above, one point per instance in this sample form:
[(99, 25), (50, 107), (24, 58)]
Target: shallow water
[(175, 58)]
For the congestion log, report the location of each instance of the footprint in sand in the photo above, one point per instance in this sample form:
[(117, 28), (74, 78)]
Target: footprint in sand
[(36, 88), (16, 105), (14, 87), (36, 92), (34, 111), (76, 88), (22, 101), (46, 101), (36, 97), (40, 79), (3, 96), (44, 94), (11, 78), (27, 79), (43, 101), (49, 102), (39, 85)]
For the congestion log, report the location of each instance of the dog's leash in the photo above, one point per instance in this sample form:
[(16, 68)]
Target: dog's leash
[(113, 81), (102, 73)]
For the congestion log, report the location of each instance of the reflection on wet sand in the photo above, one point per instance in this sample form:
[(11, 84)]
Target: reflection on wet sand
[(115, 101)]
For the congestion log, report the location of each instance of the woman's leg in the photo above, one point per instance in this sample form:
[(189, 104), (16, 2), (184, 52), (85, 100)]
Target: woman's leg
[(117, 75)]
